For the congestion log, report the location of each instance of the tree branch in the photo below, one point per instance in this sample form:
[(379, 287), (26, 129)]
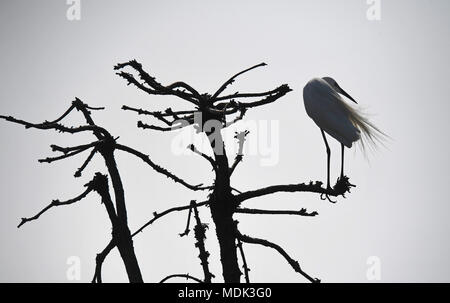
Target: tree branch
[(208, 158), (238, 95), (302, 212), (64, 156), (58, 127), (168, 112), (200, 236), (99, 262), (157, 216), (244, 261), (55, 203), (294, 264), (180, 124), (279, 92), (159, 169), (240, 136), (101, 257), (231, 80), (85, 163), (187, 276), (342, 186), (156, 88), (65, 150), (187, 230)]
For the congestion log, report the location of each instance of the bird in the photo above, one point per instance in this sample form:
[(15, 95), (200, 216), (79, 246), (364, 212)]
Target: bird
[(325, 105)]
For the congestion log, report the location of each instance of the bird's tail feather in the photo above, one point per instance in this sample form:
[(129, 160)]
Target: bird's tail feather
[(370, 135)]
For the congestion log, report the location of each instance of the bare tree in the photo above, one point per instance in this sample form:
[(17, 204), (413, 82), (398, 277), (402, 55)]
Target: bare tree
[(210, 114), (106, 145)]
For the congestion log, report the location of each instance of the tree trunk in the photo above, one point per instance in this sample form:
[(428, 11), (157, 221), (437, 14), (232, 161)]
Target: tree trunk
[(121, 232), (222, 208)]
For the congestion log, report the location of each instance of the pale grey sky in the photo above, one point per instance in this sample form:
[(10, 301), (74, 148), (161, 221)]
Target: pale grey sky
[(396, 68)]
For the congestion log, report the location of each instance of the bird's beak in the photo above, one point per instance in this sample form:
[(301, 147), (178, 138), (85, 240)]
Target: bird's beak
[(343, 92)]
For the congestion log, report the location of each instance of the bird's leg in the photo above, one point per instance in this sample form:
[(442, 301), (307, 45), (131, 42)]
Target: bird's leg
[(342, 161), (328, 158)]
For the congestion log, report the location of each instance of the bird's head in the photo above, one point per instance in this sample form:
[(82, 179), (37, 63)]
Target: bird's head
[(331, 82)]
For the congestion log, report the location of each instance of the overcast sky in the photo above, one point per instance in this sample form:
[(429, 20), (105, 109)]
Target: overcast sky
[(395, 67)]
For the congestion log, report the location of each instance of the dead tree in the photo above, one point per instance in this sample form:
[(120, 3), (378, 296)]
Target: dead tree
[(106, 145), (210, 114)]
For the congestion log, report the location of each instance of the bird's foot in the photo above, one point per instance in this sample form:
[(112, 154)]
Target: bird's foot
[(325, 196), (342, 186)]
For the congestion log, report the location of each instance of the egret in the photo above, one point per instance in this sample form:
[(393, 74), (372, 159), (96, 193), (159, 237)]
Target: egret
[(325, 106)]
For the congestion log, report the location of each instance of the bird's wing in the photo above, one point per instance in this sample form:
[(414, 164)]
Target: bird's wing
[(325, 106)]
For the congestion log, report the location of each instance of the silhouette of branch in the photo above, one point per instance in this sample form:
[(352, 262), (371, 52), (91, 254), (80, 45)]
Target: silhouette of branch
[(72, 107), (278, 93), (64, 156), (157, 216), (242, 112), (100, 259), (181, 124), (94, 108), (161, 115), (99, 262), (65, 150), (143, 125), (55, 203), (244, 261), (187, 230), (341, 187), (156, 88), (86, 162), (302, 212), (187, 276), (232, 79), (159, 169), (294, 264), (55, 126), (246, 95), (208, 158), (200, 236), (240, 136), (83, 108)]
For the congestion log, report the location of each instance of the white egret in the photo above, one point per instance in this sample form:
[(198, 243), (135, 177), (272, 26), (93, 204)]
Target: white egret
[(325, 106)]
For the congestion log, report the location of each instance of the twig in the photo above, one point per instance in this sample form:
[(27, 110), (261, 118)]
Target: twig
[(85, 163), (240, 136), (187, 230), (244, 261), (64, 156), (58, 127), (55, 203), (156, 88), (302, 212), (231, 80), (247, 95), (143, 125), (242, 112), (99, 262), (280, 92), (200, 230), (187, 276), (294, 264), (157, 216), (159, 169), (196, 151), (65, 150), (167, 113)]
